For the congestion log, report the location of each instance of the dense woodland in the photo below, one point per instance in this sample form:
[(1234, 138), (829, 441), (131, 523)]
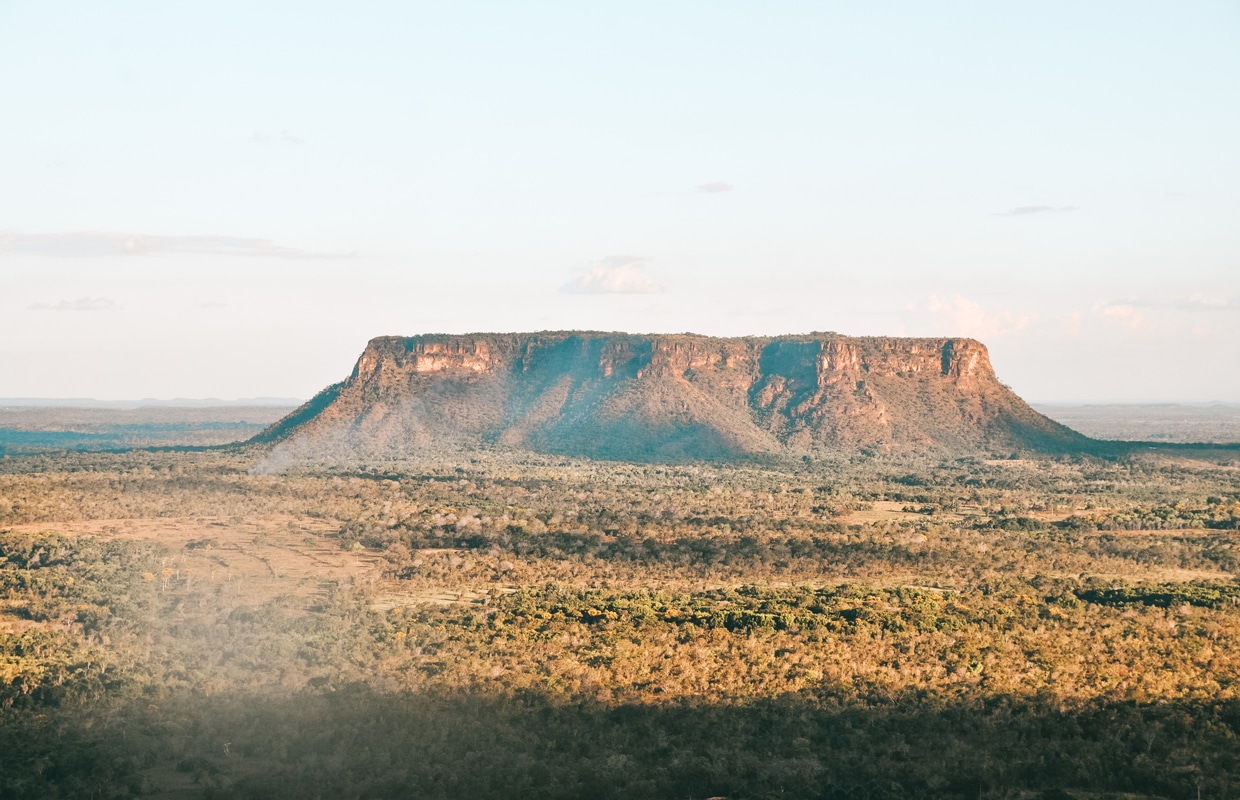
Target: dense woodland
[(175, 624)]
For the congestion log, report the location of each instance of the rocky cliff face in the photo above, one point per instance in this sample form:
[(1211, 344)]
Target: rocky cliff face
[(656, 397)]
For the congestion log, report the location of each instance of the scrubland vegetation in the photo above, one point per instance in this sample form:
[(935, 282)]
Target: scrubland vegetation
[(27, 430), (176, 625), (1166, 422)]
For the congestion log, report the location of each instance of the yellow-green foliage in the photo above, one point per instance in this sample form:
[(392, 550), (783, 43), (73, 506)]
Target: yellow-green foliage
[(547, 628)]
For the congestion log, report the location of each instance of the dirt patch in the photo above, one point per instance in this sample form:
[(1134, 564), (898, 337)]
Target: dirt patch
[(892, 511), (254, 559)]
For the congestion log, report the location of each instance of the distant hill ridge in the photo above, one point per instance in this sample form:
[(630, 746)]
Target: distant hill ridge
[(666, 397), (149, 402)]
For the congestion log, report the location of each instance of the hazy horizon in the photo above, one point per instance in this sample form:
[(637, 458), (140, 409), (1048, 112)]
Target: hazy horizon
[(230, 200)]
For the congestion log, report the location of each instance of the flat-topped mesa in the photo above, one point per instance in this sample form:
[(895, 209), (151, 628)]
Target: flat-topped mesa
[(669, 396)]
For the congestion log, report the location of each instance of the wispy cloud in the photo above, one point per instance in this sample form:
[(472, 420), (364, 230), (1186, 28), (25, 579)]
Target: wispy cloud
[(1203, 300), (283, 137), (92, 244), (614, 275), (967, 317), (1194, 303), (1024, 211), (1200, 301), (1073, 324), (715, 187), (1124, 314), (80, 304), (1199, 312)]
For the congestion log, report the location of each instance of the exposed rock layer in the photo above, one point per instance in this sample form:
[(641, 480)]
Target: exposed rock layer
[(667, 397)]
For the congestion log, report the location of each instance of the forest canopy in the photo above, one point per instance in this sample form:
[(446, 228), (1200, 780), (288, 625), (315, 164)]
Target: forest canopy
[(175, 624)]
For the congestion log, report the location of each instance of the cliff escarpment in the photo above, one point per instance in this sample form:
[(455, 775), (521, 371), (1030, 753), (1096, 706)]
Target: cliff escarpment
[(666, 397)]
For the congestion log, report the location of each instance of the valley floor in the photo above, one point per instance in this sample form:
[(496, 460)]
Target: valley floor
[(173, 624)]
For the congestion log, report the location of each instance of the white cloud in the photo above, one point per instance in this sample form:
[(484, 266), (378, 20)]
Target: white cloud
[(715, 187), (1125, 315), (80, 304), (1022, 211), (1194, 302), (1073, 325), (91, 244), (614, 275), (965, 317), (284, 137), (1202, 301)]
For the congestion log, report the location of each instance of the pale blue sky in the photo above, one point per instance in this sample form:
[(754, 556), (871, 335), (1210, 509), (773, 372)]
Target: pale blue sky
[(228, 199)]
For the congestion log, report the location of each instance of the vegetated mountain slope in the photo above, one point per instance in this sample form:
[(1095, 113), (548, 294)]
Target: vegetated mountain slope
[(666, 397)]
